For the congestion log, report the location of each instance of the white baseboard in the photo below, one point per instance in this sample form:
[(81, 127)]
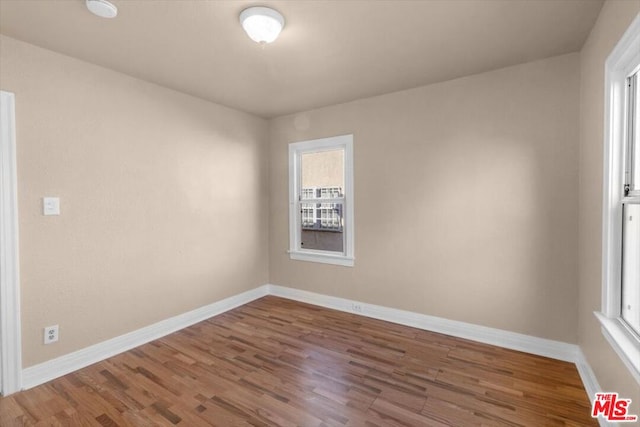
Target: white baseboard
[(43, 372), (46, 371), (590, 383), (498, 337)]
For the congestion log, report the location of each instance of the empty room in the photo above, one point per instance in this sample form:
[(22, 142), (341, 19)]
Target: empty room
[(319, 213)]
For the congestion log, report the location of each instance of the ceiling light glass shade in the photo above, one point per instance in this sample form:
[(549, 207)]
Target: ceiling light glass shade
[(262, 24), (102, 8)]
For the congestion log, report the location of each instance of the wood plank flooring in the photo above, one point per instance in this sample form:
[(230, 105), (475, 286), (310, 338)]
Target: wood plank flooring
[(275, 362)]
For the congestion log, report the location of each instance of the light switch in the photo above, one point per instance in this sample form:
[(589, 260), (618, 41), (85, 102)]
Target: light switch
[(51, 206)]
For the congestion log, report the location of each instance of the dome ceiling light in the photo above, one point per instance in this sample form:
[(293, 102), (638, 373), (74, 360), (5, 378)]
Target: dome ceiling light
[(102, 8), (262, 24)]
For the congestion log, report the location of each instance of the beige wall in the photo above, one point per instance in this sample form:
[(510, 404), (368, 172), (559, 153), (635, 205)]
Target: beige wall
[(162, 194), (612, 22), (465, 199)]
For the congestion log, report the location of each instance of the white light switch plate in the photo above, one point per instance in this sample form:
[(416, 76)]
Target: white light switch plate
[(51, 206)]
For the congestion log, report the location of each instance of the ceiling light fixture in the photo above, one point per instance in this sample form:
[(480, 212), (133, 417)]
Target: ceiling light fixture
[(102, 8), (262, 24)]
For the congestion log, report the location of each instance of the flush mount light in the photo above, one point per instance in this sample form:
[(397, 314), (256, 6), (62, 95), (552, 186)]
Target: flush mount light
[(102, 8), (262, 24)]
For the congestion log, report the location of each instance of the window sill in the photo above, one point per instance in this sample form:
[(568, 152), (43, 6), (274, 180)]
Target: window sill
[(323, 258), (623, 341)]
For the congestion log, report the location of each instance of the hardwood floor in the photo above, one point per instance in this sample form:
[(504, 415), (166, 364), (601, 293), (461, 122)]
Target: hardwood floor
[(280, 362)]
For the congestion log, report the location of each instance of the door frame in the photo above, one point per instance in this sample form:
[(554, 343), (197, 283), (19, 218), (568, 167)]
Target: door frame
[(10, 335)]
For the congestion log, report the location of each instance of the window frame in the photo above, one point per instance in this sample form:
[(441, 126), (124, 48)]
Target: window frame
[(623, 62), (296, 252), (632, 188)]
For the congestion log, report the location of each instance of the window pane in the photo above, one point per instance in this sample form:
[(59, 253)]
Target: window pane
[(323, 170), (322, 223), (322, 226), (631, 266), (635, 168)]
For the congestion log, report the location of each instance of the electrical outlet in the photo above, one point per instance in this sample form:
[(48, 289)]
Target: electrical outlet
[(50, 334), (356, 307)]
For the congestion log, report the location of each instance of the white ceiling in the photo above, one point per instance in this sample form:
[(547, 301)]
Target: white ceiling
[(329, 51)]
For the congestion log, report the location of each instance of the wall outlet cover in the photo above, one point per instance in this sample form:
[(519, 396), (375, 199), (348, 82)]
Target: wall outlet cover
[(50, 334)]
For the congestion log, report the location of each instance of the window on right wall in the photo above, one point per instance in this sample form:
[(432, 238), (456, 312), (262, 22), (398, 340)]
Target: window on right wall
[(631, 210), (620, 315)]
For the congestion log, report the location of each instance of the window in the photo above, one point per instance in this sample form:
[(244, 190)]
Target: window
[(631, 210), (620, 316), (321, 200)]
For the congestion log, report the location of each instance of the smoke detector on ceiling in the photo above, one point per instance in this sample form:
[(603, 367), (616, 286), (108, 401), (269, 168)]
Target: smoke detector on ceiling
[(102, 8)]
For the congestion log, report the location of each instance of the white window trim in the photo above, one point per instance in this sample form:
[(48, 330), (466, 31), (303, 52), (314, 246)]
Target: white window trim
[(623, 60), (295, 252)]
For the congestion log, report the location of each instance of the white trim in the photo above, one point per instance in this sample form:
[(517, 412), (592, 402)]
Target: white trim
[(295, 251), (590, 383), (323, 258), (623, 341), (51, 369), (498, 337), (623, 60), (11, 357)]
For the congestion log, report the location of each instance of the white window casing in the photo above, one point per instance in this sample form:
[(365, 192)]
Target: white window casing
[(321, 204), (622, 63)]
